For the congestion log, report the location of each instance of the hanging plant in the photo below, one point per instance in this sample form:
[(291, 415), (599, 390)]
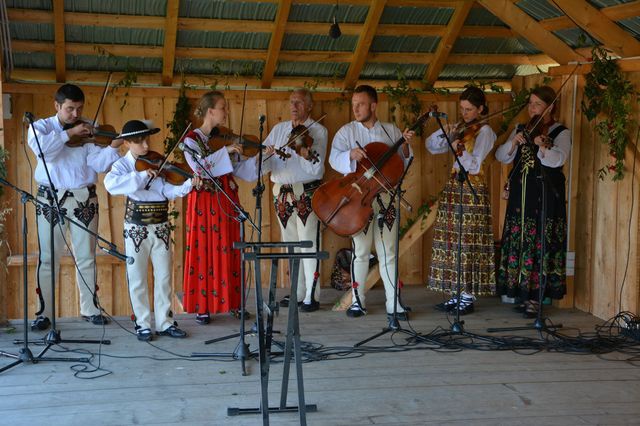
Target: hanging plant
[(422, 213), (405, 104), (609, 105), (130, 77), (4, 211)]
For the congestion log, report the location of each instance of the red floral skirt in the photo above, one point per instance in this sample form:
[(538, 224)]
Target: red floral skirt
[(212, 266)]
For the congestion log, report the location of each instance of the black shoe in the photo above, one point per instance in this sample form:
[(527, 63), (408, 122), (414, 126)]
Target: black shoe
[(96, 319), (447, 306), (172, 331), (401, 316), (285, 302), (310, 307), (356, 311), (464, 308), (203, 319), (237, 313), (40, 323), (144, 335)]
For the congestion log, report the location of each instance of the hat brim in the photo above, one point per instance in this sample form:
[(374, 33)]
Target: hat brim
[(138, 133)]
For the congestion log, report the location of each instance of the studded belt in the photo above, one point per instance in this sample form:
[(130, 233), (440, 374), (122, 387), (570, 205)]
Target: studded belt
[(146, 212)]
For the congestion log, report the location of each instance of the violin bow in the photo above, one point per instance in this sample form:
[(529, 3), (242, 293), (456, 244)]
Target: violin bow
[(293, 138), (104, 95), (166, 157)]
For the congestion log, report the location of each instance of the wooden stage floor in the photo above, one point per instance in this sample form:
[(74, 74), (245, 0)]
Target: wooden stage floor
[(150, 384)]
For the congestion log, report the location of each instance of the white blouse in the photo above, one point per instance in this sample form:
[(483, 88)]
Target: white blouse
[(555, 156), (471, 161)]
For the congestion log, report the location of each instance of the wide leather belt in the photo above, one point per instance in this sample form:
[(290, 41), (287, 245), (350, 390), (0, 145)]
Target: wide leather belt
[(306, 187), (45, 191), (146, 212)]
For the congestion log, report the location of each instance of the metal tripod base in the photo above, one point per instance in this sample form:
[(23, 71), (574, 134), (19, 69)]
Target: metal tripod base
[(309, 408), (393, 327), (457, 327), (53, 338)]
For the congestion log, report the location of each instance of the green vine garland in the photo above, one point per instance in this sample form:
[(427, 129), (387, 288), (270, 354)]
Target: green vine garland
[(609, 104)]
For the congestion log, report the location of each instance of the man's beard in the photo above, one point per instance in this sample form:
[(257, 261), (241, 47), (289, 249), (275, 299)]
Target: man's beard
[(365, 119)]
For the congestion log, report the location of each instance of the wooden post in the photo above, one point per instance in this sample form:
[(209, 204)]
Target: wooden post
[(3, 236)]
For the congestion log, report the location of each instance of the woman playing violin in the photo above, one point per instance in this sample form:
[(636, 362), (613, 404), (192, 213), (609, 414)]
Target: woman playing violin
[(212, 266), (538, 149), (472, 140), (147, 231), (296, 173)]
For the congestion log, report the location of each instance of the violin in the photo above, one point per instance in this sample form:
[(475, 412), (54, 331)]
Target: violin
[(537, 126), (466, 133), (299, 138), (173, 172), (222, 136), (101, 135)]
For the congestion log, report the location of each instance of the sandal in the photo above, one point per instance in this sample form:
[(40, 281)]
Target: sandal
[(203, 319)]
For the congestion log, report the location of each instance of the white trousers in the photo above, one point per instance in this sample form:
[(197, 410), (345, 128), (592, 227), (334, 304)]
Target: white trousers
[(297, 230), (385, 243), (83, 244), (144, 242)]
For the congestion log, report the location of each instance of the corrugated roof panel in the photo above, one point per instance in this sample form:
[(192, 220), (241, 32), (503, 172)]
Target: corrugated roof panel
[(576, 37), (31, 4), (312, 69), (217, 39), (389, 71), (113, 63), (324, 13), (539, 9), (117, 7), (632, 25), (477, 72), (481, 16), (215, 67), (38, 60), (317, 42), (109, 35), (404, 44), (31, 31), (416, 15), (216, 9), (494, 45), (607, 3)]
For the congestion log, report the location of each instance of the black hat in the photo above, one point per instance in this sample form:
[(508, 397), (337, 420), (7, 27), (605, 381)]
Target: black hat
[(135, 129)]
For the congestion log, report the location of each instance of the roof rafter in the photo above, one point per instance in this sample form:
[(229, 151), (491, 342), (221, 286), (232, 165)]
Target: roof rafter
[(170, 37), (448, 40), (280, 23), (364, 43), (59, 41), (614, 13), (594, 22), (530, 29)]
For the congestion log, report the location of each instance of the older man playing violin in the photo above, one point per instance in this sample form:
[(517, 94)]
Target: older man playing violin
[(296, 171), (73, 173)]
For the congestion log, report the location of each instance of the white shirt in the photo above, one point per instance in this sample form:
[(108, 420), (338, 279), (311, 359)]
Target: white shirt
[(555, 156), (471, 161), (70, 168), (219, 163), (296, 169), (345, 140), (124, 179)]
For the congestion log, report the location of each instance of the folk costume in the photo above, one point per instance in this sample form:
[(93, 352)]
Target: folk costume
[(212, 266), (381, 228), (518, 274), (147, 235), (295, 179), (74, 172), (477, 244)]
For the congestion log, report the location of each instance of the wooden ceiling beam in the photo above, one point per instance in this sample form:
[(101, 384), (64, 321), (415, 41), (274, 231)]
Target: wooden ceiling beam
[(314, 56), (500, 59), (221, 54), (59, 40), (448, 40), (364, 43), (618, 12), (170, 37), (280, 23), (321, 28), (531, 29), (593, 22)]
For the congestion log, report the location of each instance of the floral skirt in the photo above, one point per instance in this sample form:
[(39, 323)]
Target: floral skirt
[(477, 245)]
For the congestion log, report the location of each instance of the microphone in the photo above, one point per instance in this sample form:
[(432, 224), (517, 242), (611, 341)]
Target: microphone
[(438, 114), (262, 118), (117, 254), (28, 117), (190, 150)]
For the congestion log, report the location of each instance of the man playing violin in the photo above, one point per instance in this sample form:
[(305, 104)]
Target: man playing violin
[(73, 172), (346, 151), (295, 174), (147, 231)]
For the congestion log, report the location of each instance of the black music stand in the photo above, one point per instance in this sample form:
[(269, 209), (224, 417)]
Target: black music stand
[(293, 326)]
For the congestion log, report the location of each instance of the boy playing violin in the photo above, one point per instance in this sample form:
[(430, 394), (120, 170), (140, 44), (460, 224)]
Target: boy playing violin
[(147, 231), (73, 173)]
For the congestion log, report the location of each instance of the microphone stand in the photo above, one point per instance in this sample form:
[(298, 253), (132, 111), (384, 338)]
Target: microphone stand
[(242, 349), (539, 323), (53, 336)]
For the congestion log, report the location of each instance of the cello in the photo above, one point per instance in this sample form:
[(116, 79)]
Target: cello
[(344, 204)]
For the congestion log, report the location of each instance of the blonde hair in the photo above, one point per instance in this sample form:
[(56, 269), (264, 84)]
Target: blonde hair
[(208, 100)]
